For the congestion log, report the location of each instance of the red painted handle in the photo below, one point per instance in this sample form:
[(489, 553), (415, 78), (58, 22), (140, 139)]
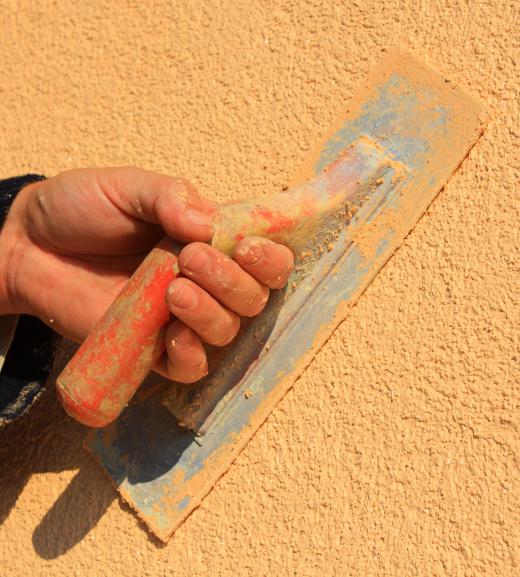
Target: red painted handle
[(115, 358)]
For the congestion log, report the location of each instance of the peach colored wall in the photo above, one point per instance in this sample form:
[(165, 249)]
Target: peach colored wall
[(397, 452)]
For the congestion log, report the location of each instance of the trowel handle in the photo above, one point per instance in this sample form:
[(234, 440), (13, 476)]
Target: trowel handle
[(115, 358)]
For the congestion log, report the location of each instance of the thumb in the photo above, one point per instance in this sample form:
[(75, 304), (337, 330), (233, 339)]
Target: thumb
[(171, 202)]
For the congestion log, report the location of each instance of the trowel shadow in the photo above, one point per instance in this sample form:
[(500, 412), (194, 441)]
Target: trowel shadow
[(143, 444)]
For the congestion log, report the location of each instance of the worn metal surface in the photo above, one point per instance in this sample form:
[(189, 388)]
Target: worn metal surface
[(163, 470)]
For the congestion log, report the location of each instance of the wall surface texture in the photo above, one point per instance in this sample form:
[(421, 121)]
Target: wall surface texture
[(397, 452)]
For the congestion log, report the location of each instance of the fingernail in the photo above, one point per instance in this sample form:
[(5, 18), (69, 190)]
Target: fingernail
[(197, 262), (182, 296), (196, 218)]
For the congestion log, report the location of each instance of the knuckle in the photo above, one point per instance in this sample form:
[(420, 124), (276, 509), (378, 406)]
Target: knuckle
[(180, 187), (195, 259), (190, 249), (227, 279), (180, 182), (117, 178)]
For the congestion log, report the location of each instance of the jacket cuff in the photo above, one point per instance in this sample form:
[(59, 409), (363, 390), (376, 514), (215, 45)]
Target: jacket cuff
[(26, 368)]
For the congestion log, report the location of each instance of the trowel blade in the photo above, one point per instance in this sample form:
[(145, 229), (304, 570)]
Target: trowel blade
[(417, 118)]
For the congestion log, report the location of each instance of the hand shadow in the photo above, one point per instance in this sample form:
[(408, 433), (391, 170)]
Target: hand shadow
[(77, 511), (47, 440)]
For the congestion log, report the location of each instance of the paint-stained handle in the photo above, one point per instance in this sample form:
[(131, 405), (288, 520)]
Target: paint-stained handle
[(115, 358)]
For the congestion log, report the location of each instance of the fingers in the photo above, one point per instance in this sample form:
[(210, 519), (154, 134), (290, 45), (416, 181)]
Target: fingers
[(185, 359), (223, 278), (169, 201), (191, 304), (216, 290), (270, 263), (200, 311)]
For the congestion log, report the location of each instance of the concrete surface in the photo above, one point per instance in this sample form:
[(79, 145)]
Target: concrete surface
[(397, 453)]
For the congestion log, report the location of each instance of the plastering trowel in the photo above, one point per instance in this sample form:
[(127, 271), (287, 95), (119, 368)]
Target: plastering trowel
[(361, 192)]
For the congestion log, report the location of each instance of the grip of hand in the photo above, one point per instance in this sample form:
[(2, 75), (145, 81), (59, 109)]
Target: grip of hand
[(115, 358)]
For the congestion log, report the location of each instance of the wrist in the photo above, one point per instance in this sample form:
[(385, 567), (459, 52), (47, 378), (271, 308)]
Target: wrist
[(13, 244)]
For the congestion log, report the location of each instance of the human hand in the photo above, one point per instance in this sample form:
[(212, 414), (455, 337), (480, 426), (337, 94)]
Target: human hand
[(70, 243)]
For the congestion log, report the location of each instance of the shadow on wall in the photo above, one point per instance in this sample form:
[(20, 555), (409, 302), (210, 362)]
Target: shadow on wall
[(47, 440), (77, 511)]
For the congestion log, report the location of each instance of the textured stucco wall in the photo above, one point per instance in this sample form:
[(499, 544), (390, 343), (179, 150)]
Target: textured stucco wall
[(397, 453)]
